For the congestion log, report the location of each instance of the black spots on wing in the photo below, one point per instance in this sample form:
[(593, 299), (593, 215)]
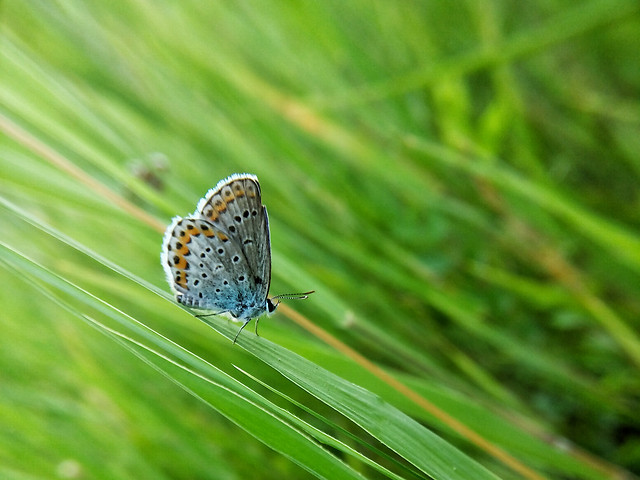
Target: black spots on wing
[(257, 280), (196, 282), (220, 251), (247, 241), (238, 219), (241, 278), (246, 214), (232, 228), (235, 259), (254, 213)]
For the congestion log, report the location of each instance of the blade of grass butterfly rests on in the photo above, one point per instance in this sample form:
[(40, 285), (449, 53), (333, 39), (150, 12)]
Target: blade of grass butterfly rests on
[(234, 400)]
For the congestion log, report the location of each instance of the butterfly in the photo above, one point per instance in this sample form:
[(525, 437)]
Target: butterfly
[(219, 257)]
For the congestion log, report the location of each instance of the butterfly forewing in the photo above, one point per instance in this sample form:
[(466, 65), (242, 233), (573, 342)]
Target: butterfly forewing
[(235, 206)]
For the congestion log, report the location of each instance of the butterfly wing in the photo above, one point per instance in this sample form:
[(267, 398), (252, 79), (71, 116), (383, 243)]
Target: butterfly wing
[(220, 257)]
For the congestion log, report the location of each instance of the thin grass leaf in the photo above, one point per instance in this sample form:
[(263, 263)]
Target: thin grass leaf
[(230, 402)]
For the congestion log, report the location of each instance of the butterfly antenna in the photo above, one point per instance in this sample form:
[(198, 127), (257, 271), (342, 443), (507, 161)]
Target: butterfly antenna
[(294, 296), (291, 296)]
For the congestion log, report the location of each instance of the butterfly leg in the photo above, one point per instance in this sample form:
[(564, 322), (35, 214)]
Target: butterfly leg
[(241, 328), (202, 315)]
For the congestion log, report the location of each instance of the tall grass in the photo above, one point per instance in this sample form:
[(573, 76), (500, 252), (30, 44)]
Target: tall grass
[(457, 181)]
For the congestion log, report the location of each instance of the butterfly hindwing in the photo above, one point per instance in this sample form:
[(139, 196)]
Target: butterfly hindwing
[(201, 264)]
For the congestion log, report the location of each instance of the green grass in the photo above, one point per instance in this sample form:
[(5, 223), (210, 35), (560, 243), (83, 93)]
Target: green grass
[(457, 181)]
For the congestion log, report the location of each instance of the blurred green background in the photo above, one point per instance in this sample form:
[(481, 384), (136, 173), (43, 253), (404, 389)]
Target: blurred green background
[(457, 180)]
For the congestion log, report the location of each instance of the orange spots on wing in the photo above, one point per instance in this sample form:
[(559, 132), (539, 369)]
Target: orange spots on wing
[(185, 237), (180, 262), (182, 280), (222, 236), (228, 195), (238, 190), (220, 205)]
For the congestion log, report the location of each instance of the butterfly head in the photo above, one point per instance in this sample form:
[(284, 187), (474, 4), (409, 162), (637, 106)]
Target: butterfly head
[(271, 306)]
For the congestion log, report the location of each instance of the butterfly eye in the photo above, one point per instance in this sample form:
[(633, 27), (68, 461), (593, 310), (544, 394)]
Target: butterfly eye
[(271, 307)]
